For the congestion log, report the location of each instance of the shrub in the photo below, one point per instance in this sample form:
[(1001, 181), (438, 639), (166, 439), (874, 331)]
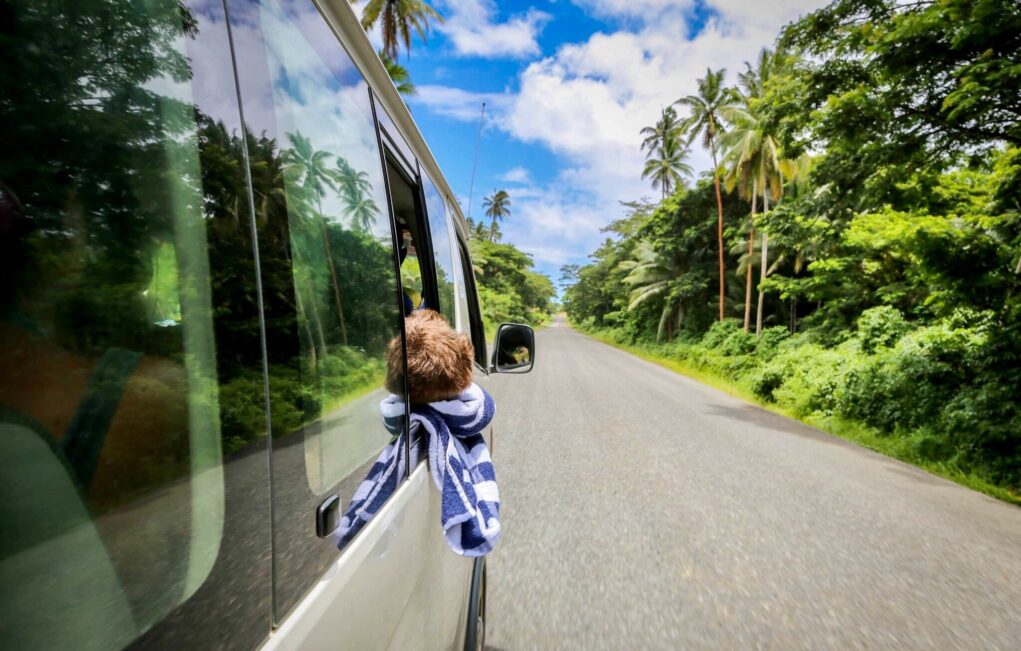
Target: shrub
[(814, 379), (719, 332), (907, 386), (769, 340), (880, 327)]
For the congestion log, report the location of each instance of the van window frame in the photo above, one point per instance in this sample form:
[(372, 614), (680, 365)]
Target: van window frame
[(478, 326)]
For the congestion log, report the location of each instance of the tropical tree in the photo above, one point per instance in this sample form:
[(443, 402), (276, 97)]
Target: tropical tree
[(497, 207), (706, 120), (309, 170), (668, 168), (665, 128), (477, 230), (356, 191), (752, 157), (652, 276), (398, 74), (399, 19)]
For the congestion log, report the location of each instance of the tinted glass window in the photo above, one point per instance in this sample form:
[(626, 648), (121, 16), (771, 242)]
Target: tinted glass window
[(439, 231), (126, 368), (332, 279), (461, 288)]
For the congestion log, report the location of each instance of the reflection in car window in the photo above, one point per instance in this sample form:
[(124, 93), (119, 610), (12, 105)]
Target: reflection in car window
[(111, 488), (438, 229), (341, 245), (463, 322), (329, 281)]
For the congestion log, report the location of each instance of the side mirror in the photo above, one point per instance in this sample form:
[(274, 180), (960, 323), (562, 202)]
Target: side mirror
[(514, 351)]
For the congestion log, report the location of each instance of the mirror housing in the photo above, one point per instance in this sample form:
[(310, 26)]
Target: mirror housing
[(514, 349)]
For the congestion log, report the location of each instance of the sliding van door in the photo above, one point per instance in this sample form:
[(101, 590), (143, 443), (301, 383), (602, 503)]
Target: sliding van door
[(333, 306)]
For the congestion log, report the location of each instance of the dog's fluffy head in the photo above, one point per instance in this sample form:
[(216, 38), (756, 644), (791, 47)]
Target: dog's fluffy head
[(439, 359)]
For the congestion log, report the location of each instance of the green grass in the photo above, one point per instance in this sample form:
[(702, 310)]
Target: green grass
[(896, 447)]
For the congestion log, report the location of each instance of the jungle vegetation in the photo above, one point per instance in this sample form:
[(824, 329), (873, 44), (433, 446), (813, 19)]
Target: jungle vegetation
[(854, 255)]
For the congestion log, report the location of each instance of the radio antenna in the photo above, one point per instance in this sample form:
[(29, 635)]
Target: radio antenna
[(475, 160)]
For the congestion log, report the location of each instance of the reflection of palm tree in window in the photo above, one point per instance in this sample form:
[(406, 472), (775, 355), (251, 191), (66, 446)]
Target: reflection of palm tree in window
[(356, 191), (313, 177)]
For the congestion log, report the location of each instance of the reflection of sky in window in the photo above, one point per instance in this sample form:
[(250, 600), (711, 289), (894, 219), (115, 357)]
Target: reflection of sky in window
[(328, 104)]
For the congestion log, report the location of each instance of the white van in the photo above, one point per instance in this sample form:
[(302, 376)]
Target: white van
[(214, 215)]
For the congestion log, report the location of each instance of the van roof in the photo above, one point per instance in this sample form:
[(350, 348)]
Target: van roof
[(342, 19)]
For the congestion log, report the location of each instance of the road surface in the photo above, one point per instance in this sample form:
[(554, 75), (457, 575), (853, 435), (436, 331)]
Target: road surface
[(643, 510)]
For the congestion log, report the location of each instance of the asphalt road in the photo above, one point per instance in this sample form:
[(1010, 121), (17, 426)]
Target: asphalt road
[(643, 510)]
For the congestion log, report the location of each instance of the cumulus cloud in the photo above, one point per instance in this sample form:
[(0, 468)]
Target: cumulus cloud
[(460, 104), (641, 9), (515, 175), (588, 101), (473, 30)]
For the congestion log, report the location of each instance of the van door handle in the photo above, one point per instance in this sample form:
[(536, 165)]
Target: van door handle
[(328, 516)]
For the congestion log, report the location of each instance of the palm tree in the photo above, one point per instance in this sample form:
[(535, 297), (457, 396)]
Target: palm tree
[(497, 207), (667, 170), (706, 120), (356, 191), (477, 230), (399, 18), (743, 163), (398, 74), (309, 168), (752, 157), (655, 136), (652, 276)]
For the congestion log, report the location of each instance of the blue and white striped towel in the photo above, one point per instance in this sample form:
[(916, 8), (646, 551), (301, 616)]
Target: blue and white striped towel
[(460, 465)]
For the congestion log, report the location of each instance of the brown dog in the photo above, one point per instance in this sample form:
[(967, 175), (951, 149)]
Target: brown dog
[(439, 360)]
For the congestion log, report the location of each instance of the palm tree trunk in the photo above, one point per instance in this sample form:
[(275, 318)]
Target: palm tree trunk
[(719, 226), (748, 266), (763, 263), (333, 276)]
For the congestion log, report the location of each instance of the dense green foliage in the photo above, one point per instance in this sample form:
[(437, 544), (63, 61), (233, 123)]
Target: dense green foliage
[(891, 292), (510, 290)]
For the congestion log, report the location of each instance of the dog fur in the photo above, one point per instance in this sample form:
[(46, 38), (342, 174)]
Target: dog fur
[(440, 363)]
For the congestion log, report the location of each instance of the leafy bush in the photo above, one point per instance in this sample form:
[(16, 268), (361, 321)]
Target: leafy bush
[(880, 327), (719, 333), (769, 340)]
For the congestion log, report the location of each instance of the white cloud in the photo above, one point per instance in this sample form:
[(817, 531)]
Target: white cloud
[(588, 101), (632, 8), (515, 175), (473, 30), (460, 104)]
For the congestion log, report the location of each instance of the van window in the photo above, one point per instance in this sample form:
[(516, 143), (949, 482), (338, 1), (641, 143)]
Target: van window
[(461, 287), (339, 307), (111, 481), (439, 231)]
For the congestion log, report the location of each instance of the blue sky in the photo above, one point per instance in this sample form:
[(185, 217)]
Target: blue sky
[(568, 85)]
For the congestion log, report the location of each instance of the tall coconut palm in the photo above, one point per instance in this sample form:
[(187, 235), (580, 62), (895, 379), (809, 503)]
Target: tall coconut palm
[(751, 156), (668, 168), (706, 120), (666, 127), (757, 155), (400, 18), (497, 207), (652, 275), (742, 162), (398, 74), (356, 191), (310, 169)]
